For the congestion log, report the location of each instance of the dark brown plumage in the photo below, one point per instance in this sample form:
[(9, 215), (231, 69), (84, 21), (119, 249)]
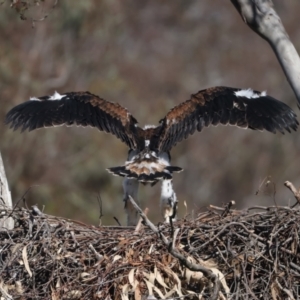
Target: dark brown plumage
[(150, 146), (75, 108)]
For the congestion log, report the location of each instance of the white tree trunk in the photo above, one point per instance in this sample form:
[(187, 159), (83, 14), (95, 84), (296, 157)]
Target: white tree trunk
[(262, 18), (5, 199)]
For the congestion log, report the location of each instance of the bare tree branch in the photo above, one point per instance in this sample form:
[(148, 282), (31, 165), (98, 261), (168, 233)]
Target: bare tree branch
[(262, 18)]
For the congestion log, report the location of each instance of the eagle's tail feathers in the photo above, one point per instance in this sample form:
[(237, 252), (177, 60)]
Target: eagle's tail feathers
[(143, 175)]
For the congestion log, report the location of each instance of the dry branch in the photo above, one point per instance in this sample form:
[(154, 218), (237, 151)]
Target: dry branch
[(262, 18)]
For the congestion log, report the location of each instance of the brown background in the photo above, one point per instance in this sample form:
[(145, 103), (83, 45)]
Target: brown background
[(148, 56)]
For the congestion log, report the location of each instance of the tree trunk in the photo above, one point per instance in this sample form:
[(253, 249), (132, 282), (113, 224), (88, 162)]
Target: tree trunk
[(5, 199)]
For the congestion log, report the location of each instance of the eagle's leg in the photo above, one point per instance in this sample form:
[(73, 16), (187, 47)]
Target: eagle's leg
[(131, 187), (168, 200)]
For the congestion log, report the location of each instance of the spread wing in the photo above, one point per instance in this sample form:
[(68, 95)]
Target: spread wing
[(75, 108), (224, 105)]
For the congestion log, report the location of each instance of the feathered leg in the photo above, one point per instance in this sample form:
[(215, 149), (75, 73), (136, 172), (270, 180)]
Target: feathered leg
[(168, 200), (131, 187)]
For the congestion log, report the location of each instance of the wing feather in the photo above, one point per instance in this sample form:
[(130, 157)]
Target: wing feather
[(226, 106), (75, 108)]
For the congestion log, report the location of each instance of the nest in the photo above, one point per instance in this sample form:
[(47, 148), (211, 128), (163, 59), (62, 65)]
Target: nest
[(249, 254)]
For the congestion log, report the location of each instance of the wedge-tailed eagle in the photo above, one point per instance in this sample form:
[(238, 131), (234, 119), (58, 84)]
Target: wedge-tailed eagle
[(149, 147)]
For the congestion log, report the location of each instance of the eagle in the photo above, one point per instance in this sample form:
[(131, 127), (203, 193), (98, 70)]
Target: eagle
[(149, 157)]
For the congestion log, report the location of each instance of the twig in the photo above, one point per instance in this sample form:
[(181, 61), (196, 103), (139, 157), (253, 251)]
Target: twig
[(174, 237), (227, 208), (294, 266), (99, 199), (115, 218), (267, 178), (22, 198), (172, 217), (99, 256), (296, 193), (139, 224), (290, 295)]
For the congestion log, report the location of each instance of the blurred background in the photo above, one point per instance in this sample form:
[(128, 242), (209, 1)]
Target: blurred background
[(149, 56)]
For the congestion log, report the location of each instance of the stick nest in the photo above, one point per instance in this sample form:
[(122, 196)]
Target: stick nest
[(254, 253)]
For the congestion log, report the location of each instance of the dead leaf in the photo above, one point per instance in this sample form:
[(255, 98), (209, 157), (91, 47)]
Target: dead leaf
[(149, 286), (137, 294), (146, 275), (131, 278), (150, 249), (25, 260), (152, 277), (124, 294), (117, 257), (160, 280), (158, 291), (221, 277), (84, 275), (53, 294)]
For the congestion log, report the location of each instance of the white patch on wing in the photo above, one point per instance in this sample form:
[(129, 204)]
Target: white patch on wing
[(34, 99), (263, 93), (250, 94), (56, 96)]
